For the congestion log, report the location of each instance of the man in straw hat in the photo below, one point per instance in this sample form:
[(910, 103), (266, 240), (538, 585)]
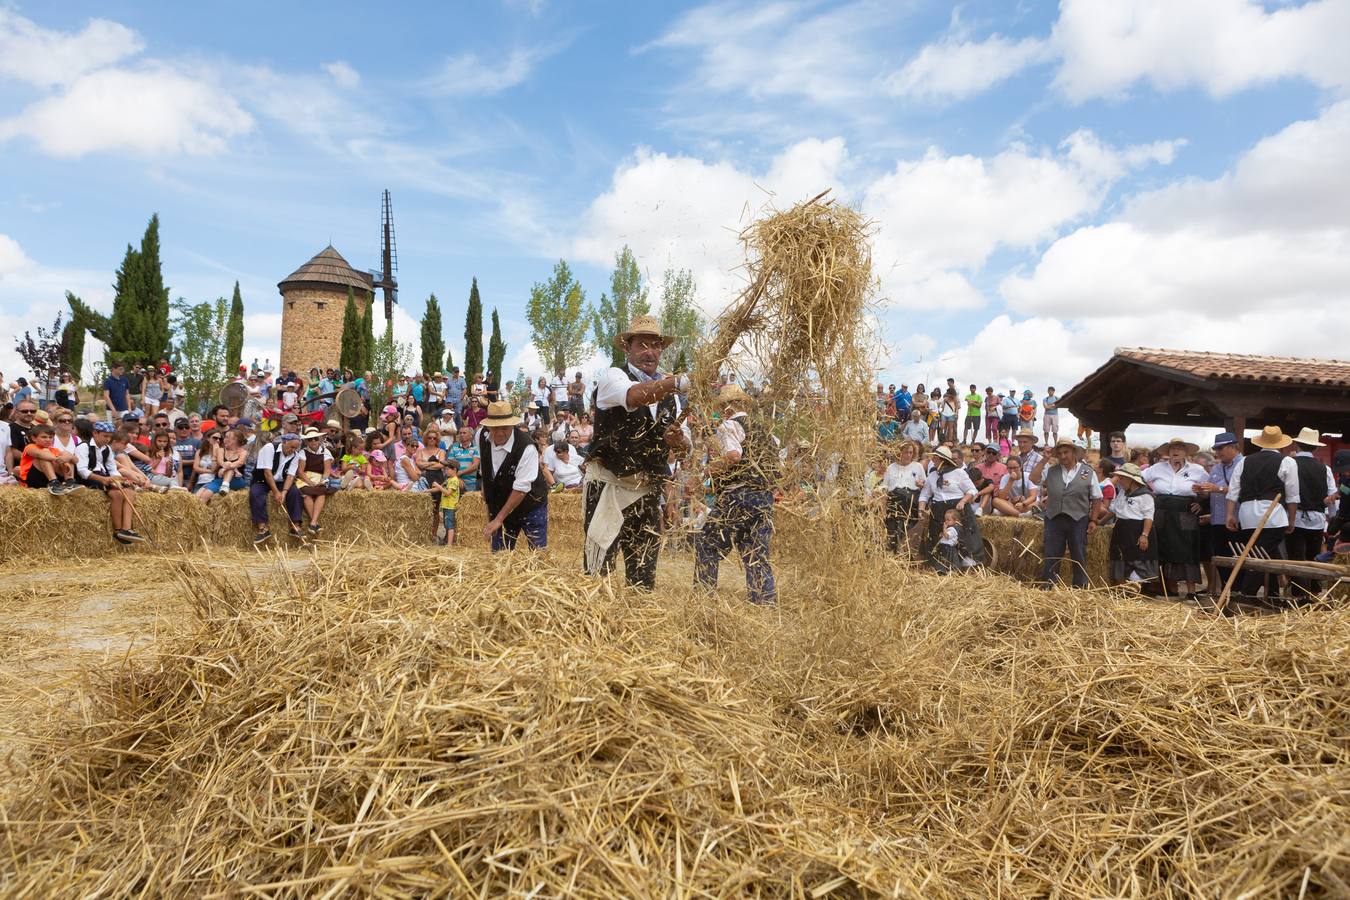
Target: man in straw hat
[(1175, 481), (515, 490), (637, 426), (948, 486), (1072, 502), (1316, 493), (1257, 479), (1026, 441), (743, 478)]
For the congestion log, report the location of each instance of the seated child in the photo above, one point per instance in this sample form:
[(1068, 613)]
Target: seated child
[(43, 466), (127, 470), (355, 468), (951, 555)]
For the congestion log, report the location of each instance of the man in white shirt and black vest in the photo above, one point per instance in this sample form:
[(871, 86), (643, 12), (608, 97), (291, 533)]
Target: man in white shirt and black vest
[(515, 490), (1257, 480), (1072, 502), (274, 477), (96, 467), (744, 473), (637, 426), (1316, 493)]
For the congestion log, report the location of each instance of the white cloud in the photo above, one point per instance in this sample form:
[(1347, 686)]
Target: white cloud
[(152, 110), (342, 73), (955, 70), (1220, 46), (46, 58), (470, 75), (34, 294), (780, 48)]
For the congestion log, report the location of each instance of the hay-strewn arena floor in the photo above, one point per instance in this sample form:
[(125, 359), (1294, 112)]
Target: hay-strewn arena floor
[(405, 721)]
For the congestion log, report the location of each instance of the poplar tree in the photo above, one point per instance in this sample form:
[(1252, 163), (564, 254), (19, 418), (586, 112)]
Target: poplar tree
[(433, 344), (627, 298), (473, 334), (234, 332), (558, 314)]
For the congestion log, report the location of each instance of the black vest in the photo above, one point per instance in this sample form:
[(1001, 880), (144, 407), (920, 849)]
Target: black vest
[(497, 485), (1312, 484), (757, 468), (630, 442), (279, 469), (1260, 476)]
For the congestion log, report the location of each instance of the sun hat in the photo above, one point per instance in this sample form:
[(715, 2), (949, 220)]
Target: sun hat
[(447, 412), (1224, 439), (642, 325), (391, 410), (1025, 433), (1272, 438), (943, 454), (312, 434), (1130, 471), (1065, 442), (1191, 449), (499, 413), (1309, 437), (332, 423)]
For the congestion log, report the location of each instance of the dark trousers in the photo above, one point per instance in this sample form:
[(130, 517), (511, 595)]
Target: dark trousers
[(1061, 531), (742, 519), (534, 524), (1305, 544), (1270, 540), (900, 506), (639, 537), (258, 495)]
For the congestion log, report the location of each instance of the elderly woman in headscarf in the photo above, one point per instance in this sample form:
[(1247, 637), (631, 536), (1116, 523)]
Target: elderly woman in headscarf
[(947, 486), (1177, 514)]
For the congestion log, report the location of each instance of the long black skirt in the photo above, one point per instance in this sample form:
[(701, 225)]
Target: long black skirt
[(1177, 533)]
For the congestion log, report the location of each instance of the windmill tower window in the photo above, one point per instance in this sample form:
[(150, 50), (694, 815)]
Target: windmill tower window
[(320, 303)]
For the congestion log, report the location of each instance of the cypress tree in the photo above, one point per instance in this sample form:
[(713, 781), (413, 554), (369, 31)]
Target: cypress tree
[(234, 332), (368, 335), (433, 344), (72, 348), (350, 355), (155, 299), (449, 360), (496, 350), (473, 334), (125, 320)]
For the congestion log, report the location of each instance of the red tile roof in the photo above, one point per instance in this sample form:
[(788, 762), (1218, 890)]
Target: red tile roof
[(1238, 367)]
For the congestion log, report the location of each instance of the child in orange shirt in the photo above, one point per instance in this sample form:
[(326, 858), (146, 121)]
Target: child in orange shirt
[(43, 466)]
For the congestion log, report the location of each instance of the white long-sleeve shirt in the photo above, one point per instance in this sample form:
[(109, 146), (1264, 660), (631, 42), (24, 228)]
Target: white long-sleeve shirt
[(909, 477), (1310, 519), (1250, 512), (527, 467), (1163, 479), (1138, 508), (949, 485)]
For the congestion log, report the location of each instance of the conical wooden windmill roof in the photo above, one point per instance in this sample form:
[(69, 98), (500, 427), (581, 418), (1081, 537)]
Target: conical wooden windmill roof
[(328, 268)]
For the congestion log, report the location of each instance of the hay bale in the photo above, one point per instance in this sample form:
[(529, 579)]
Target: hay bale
[(1019, 543), (76, 525), (405, 724)]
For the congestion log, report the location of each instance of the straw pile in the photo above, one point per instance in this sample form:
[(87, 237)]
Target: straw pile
[(403, 726), (1018, 544)]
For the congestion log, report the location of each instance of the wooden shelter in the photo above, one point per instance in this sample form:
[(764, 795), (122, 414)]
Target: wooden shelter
[(1228, 390)]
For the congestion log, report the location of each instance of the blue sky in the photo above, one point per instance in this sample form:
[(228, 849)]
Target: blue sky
[(1048, 181)]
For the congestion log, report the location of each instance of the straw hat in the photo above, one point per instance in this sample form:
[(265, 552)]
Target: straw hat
[(1309, 437), (944, 454), (1131, 471), (1065, 442), (332, 423), (1025, 433), (642, 325), (1272, 438), (499, 413), (1191, 449), (732, 393), (312, 433)]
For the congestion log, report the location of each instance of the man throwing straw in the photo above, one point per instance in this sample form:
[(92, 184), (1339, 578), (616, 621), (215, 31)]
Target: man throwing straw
[(743, 476), (636, 428)]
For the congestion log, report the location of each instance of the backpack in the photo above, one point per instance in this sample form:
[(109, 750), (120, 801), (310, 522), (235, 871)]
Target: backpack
[(1027, 411)]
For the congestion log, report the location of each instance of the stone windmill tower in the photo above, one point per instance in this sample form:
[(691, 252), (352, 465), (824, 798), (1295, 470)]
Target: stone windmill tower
[(313, 300)]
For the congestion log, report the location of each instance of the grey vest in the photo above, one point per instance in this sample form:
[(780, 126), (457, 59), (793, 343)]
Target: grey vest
[(1073, 499)]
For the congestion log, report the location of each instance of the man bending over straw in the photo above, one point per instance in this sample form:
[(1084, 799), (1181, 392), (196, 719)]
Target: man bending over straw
[(637, 424), (743, 471)]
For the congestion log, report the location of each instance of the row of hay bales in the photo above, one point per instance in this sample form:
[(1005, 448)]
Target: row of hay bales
[(39, 525), (76, 525)]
